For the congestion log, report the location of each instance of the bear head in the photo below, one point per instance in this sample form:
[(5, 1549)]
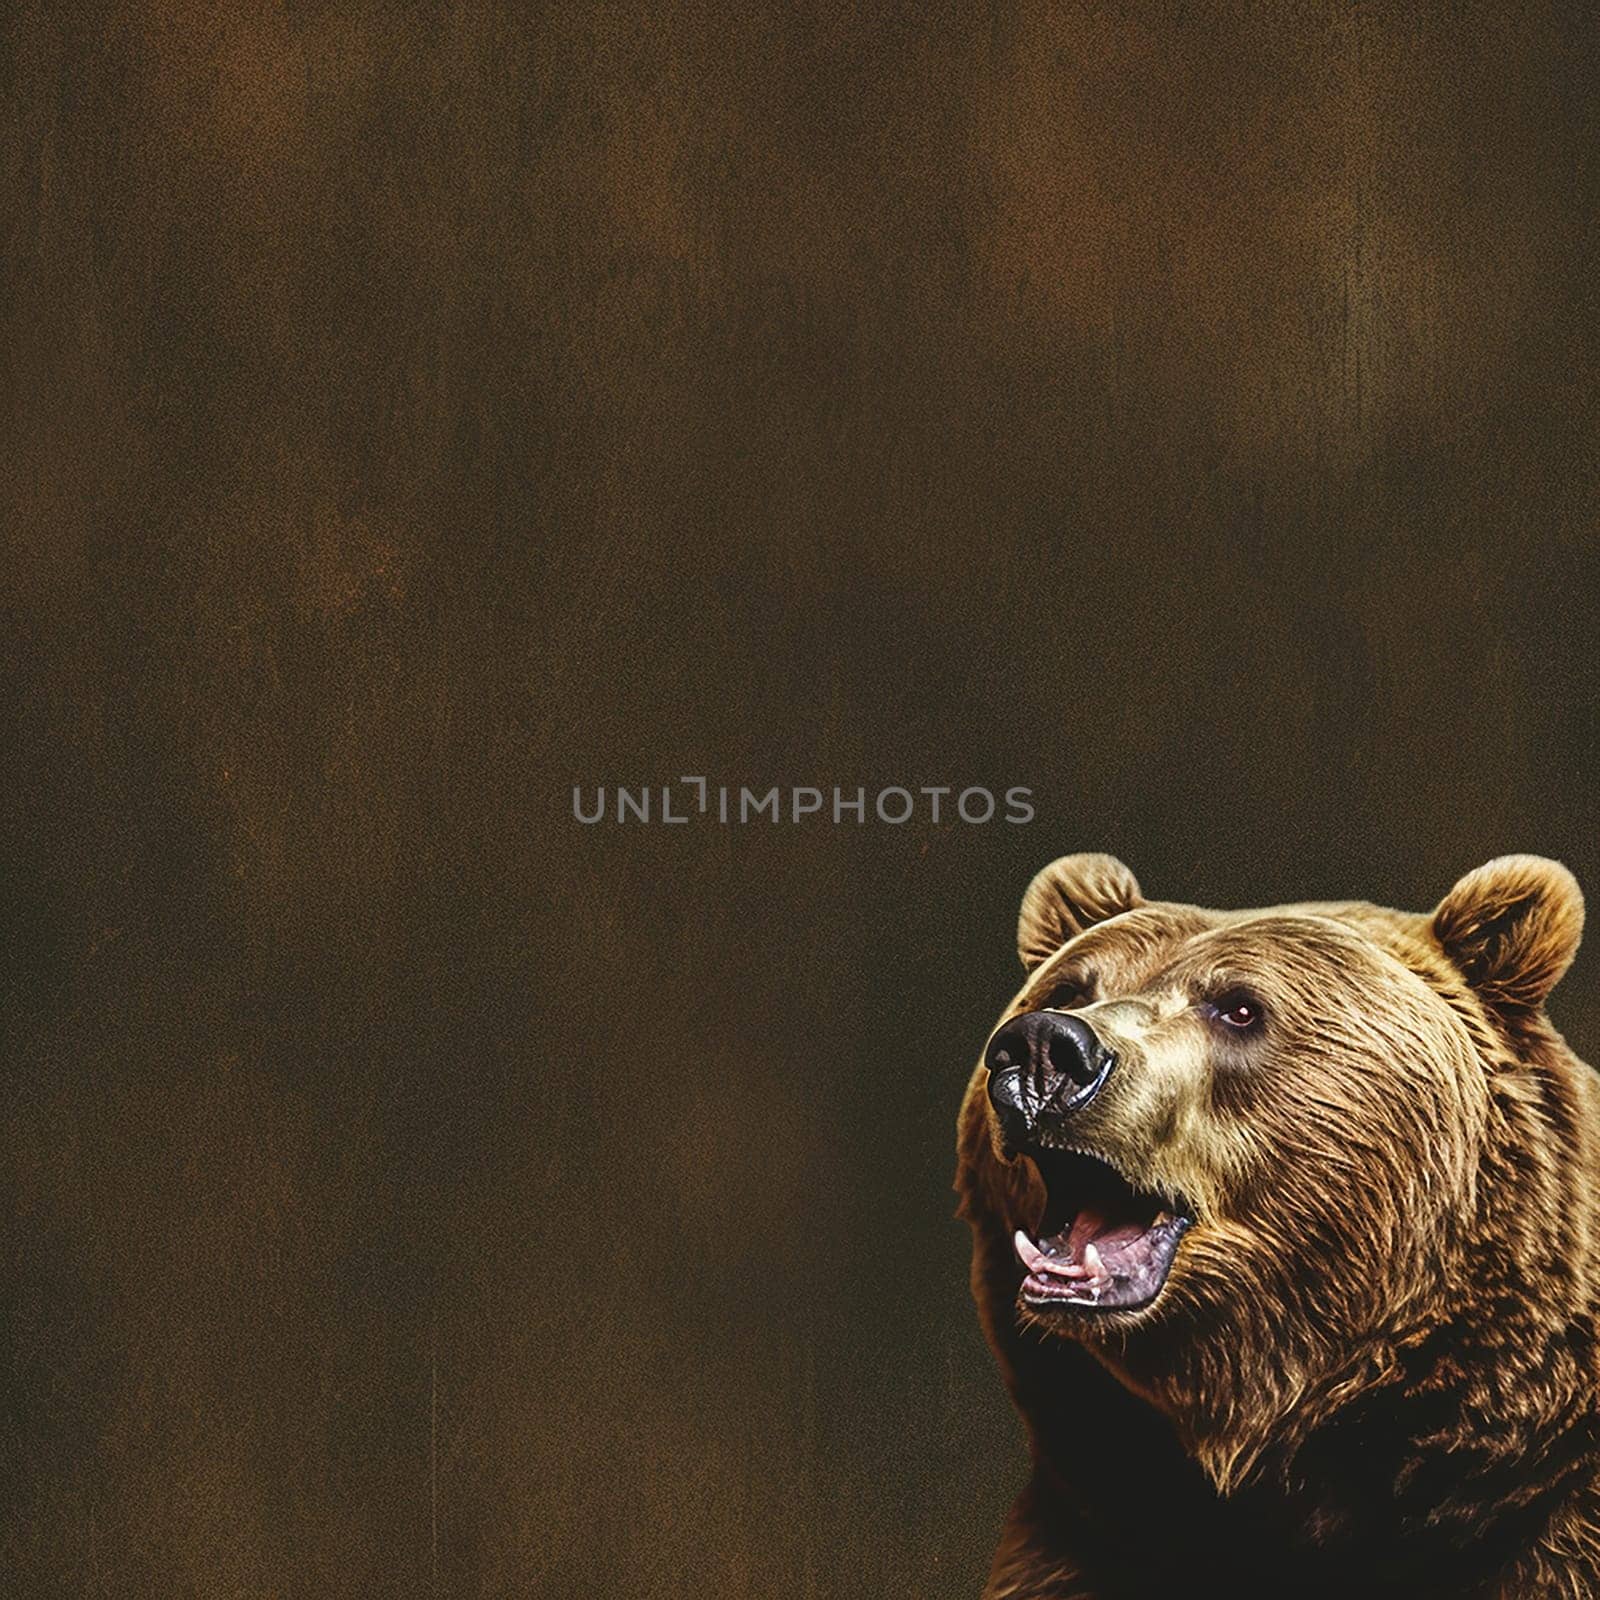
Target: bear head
[(1249, 1158)]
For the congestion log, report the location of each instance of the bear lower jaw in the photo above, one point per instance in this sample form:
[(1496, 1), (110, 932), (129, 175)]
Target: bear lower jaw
[(1127, 1275)]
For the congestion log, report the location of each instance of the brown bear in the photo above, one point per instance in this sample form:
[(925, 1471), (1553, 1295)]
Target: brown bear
[(1286, 1235)]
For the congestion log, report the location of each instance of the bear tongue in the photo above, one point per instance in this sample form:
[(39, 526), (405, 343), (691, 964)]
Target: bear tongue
[(1076, 1252), (1090, 1227)]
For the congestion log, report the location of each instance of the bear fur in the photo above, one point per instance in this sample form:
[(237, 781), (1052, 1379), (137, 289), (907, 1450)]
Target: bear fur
[(1372, 1368)]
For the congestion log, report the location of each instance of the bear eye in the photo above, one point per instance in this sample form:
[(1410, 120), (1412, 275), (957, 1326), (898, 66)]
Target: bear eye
[(1065, 996), (1237, 1010)]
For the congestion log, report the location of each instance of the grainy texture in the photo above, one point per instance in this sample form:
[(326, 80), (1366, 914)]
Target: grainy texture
[(411, 412)]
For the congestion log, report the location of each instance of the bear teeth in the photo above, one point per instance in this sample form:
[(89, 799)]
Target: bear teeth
[(1036, 1261)]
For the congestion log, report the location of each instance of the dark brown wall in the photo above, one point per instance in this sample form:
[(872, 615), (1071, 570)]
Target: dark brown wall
[(1187, 412)]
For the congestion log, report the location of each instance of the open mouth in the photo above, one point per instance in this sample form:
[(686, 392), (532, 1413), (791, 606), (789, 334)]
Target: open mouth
[(1103, 1245)]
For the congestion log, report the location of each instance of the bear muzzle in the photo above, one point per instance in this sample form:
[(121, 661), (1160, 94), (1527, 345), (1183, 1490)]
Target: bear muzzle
[(1103, 1243)]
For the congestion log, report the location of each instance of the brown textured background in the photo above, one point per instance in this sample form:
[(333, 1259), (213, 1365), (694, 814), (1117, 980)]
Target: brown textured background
[(1190, 412)]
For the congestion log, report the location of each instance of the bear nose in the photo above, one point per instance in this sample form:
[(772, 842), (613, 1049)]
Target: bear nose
[(1043, 1067)]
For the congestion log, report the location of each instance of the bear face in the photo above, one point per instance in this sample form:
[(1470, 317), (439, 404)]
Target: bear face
[(1284, 1109), (1253, 1161)]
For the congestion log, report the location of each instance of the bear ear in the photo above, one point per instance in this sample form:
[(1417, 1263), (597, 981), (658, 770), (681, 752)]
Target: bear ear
[(1512, 927), (1071, 894)]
